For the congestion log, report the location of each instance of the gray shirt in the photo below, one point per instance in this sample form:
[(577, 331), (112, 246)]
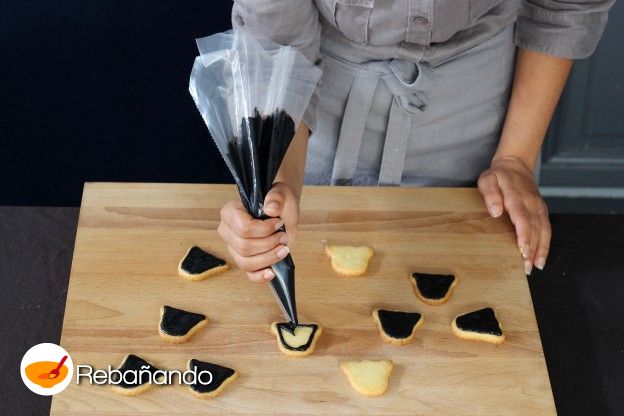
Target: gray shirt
[(431, 31)]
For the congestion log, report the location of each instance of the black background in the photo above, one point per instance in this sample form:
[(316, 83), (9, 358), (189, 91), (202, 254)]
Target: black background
[(98, 91)]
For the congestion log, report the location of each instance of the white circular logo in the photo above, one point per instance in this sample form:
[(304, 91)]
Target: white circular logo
[(47, 369)]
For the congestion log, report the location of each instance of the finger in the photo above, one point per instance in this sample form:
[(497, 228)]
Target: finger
[(244, 226), (290, 209), (520, 219), (261, 276), (488, 186), (544, 240), (292, 232), (248, 247), (251, 246), (534, 227), (274, 201), (260, 261)]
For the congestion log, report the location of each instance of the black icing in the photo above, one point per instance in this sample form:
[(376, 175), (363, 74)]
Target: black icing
[(136, 364), (433, 286), (482, 321), (198, 261), (397, 324), (177, 322), (286, 326), (219, 375), (283, 286)]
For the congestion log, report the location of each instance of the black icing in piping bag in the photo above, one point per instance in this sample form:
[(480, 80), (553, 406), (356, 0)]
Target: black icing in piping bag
[(252, 94), (258, 155), (283, 286)]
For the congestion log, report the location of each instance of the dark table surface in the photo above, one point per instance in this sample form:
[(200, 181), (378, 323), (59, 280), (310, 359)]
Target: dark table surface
[(578, 298)]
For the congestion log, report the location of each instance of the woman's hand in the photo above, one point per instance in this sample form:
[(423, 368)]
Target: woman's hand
[(257, 244), (509, 185)]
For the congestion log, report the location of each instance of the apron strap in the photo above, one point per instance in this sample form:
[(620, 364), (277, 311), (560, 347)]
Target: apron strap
[(352, 128), (395, 146)]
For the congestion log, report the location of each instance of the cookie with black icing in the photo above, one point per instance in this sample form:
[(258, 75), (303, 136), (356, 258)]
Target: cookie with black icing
[(297, 341), (481, 325), (433, 289), (178, 326), (211, 380), (137, 375), (397, 327), (198, 264)]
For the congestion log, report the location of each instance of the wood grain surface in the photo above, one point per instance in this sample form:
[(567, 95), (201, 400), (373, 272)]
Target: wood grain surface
[(131, 237)]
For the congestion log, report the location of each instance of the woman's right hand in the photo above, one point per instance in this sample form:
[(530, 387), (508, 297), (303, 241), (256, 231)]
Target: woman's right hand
[(257, 244)]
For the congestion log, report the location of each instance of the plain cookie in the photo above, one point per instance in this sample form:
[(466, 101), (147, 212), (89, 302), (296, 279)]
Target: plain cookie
[(349, 260), (368, 377)]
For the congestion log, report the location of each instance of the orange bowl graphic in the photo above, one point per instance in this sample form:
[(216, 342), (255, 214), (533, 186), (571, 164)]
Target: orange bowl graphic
[(38, 373)]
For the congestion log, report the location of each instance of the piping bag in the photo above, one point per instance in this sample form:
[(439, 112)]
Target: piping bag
[(252, 93)]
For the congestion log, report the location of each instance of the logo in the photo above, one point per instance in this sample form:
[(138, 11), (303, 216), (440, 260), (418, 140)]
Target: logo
[(46, 369)]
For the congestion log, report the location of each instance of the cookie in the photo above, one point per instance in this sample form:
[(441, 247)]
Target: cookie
[(141, 378), (178, 326), (349, 260), (298, 342), (481, 325), (397, 327), (220, 378), (368, 377), (198, 264), (433, 289)]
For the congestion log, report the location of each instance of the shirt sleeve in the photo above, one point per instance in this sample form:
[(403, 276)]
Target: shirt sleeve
[(565, 28), (286, 22)]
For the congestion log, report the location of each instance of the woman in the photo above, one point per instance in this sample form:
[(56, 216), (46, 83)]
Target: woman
[(419, 93)]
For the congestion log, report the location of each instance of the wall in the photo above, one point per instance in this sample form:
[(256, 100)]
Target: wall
[(98, 91)]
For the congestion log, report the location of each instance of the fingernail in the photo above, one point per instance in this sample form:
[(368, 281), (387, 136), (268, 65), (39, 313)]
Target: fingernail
[(495, 210), (268, 275), (524, 250), (528, 267), (283, 252), (272, 205), (540, 263), (279, 225), (284, 238)]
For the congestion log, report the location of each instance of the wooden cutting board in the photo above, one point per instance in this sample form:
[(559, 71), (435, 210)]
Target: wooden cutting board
[(131, 237)]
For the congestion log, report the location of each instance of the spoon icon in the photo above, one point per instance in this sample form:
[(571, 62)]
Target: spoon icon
[(54, 373)]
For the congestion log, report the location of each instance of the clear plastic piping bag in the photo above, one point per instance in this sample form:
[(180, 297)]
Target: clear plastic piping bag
[(252, 94)]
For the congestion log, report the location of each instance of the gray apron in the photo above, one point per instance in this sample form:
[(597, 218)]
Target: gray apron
[(395, 122)]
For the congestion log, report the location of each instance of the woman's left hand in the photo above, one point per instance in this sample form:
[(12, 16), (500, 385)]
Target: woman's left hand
[(509, 185)]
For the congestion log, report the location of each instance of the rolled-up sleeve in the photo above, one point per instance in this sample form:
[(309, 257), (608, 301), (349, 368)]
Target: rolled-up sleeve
[(286, 22), (565, 28)]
